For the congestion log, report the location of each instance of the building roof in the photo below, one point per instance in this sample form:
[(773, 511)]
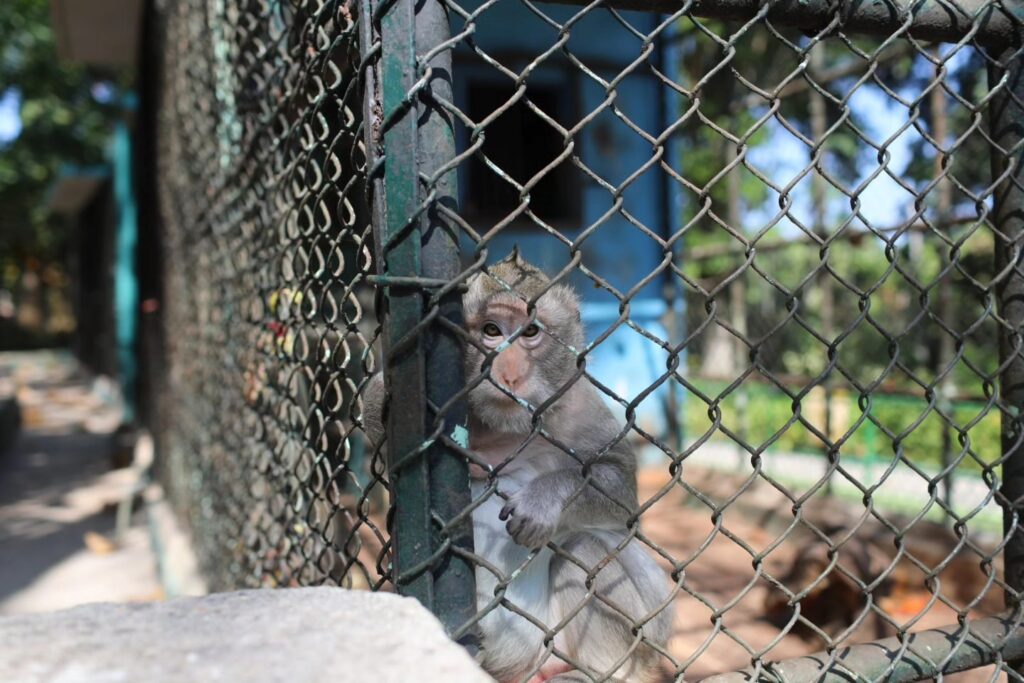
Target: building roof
[(74, 187), (97, 32)]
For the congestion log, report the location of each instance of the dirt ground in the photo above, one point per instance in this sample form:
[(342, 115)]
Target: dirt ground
[(721, 580)]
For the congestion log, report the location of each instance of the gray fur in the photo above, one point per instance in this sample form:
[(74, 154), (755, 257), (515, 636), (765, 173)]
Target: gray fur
[(373, 409), (548, 496), (557, 309)]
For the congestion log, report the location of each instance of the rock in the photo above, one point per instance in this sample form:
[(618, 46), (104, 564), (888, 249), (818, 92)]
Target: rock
[(288, 635)]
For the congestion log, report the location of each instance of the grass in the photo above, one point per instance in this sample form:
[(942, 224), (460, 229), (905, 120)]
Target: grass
[(871, 435)]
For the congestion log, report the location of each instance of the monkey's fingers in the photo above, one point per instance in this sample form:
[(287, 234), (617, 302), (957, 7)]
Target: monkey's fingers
[(509, 508), (527, 533), (515, 527), (532, 538)]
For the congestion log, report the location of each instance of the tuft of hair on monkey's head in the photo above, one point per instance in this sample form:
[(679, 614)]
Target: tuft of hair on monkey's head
[(514, 273), (517, 277)]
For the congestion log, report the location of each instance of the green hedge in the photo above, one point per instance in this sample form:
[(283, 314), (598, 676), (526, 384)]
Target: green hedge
[(894, 422)]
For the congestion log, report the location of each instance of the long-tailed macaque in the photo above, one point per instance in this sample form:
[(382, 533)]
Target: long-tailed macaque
[(610, 602)]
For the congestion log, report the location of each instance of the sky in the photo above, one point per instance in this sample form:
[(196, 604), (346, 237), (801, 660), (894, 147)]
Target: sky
[(10, 121), (883, 203)]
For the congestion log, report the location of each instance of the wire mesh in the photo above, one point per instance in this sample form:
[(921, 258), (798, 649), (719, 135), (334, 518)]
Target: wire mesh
[(269, 321), (792, 230)]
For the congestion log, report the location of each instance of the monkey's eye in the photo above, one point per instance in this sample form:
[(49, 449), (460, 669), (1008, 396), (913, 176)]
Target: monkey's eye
[(492, 330), (531, 331)]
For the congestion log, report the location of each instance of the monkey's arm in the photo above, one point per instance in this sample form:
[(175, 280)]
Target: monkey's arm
[(566, 500)]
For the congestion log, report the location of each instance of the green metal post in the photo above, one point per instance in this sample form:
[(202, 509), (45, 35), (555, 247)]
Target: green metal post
[(454, 584), (430, 482), (400, 248)]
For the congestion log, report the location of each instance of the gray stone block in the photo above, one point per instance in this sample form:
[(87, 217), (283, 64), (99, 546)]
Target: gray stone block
[(288, 635)]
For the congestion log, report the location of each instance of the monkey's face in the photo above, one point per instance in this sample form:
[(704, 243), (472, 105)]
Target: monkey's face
[(532, 358)]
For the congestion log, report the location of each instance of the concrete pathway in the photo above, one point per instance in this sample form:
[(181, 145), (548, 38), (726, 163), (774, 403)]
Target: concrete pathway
[(58, 495)]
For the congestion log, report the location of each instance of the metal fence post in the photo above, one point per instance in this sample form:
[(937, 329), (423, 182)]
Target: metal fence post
[(454, 585), (430, 482), (1007, 132)]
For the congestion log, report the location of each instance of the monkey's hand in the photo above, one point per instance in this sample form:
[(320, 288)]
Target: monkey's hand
[(532, 517)]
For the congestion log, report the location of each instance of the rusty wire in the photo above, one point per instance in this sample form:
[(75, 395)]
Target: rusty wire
[(269, 320), (275, 210)]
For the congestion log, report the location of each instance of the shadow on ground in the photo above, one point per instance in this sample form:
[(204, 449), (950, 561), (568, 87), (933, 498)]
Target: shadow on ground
[(58, 494)]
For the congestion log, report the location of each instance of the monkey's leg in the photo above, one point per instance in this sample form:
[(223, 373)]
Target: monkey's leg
[(570, 675), (574, 675), (600, 637)]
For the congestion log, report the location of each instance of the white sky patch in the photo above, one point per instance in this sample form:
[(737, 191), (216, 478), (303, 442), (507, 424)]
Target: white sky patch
[(10, 117), (883, 202)]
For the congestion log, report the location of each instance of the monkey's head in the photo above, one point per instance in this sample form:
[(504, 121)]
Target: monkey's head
[(536, 354)]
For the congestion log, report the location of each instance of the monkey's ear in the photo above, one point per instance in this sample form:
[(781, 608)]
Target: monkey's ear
[(568, 300), (513, 256)]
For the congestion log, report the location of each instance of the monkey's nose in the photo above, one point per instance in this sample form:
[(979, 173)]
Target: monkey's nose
[(511, 382)]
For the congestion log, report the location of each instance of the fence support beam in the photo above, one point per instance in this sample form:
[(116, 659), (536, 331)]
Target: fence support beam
[(455, 587), (943, 650), (423, 360), (1007, 132), (929, 19)]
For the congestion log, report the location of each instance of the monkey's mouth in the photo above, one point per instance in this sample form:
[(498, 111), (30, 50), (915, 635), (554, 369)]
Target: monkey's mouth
[(508, 397), (504, 397)]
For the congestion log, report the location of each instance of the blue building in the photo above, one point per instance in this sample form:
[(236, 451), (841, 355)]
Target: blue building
[(608, 195)]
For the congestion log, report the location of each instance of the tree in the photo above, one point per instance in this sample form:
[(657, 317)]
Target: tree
[(63, 122), (66, 113)]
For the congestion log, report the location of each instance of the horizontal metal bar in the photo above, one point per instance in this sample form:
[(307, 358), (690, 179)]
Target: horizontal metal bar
[(999, 23), (738, 249), (986, 640), (406, 281)]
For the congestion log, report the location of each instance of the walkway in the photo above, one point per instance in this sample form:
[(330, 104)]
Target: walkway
[(58, 494)]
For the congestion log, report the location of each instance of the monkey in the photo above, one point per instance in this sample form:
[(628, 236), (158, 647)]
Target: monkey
[(551, 468)]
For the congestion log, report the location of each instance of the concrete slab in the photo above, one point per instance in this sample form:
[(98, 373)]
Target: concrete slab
[(284, 635)]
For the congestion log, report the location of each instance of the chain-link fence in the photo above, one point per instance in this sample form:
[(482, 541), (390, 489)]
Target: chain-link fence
[(268, 319), (789, 231)]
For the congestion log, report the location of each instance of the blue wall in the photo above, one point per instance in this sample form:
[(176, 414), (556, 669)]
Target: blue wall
[(618, 251)]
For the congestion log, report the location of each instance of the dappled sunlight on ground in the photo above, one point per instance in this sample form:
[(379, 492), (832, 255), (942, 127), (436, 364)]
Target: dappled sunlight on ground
[(58, 494), (720, 576)]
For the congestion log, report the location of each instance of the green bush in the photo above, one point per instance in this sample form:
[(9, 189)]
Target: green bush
[(891, 423)]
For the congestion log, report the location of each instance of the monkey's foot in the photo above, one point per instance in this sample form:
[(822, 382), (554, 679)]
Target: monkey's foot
[(571, 676), (553, 672)]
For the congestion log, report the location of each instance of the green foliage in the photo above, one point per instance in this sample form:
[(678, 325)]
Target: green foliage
[(765, 417), (889, 300), (62, 124), (725, 108)]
